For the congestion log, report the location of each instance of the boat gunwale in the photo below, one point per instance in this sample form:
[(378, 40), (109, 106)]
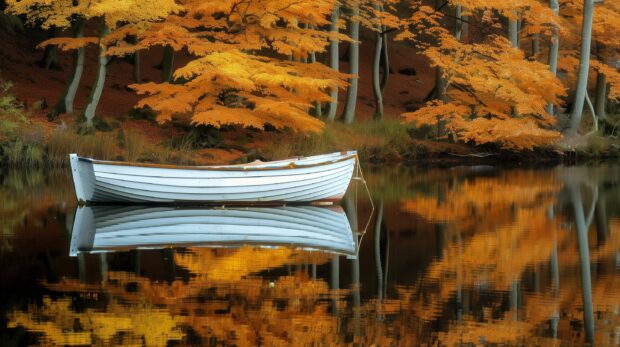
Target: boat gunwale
[(344, 157)]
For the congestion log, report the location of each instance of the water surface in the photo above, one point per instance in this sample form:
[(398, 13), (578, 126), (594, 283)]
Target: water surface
[(449, 256)]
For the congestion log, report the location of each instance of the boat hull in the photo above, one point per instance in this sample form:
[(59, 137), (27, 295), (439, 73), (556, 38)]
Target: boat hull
[(319, 178)]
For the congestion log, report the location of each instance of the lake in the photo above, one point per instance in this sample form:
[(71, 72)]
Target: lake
[(447, 256)]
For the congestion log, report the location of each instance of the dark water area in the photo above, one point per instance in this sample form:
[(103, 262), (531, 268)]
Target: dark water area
[(472, 255)]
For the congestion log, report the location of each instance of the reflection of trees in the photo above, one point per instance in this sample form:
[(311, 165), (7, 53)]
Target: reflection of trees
[(22, 193), (497, 232), (508, 272), (61, 324), (223, 300)]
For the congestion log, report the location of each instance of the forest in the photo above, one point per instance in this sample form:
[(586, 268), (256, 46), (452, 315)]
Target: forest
[(193, 82)]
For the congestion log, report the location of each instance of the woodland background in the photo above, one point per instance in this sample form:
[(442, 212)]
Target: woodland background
[(203, 81)]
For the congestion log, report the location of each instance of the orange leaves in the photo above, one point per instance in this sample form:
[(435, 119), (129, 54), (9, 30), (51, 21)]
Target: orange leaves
[(495, 95), (230, 82), (69, 43), (237, 88)]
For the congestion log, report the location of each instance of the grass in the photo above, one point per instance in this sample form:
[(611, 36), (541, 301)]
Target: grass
[(371, 138), (62, 142)]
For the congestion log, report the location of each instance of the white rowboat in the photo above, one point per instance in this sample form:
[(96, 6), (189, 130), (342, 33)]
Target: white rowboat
[(302, 179), (114, 228)]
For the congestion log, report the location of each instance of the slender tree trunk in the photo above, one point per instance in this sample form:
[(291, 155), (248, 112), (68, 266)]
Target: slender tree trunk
[(136, 63), (440, 83), (554, 47), (513, 33), (95, 93), (376, 73), (601, 95), (167, 64), (354, 57), (584, 66), (458, 23), (334, 61), (385, 57), (65, 103), (464, 27), (318, 108), (50, 55), (535, 46)]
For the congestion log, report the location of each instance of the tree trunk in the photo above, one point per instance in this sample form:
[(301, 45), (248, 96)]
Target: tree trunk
[(167, 64), (601, 95), (65, 104), (318, 110), (513, 33), (50, 55), (95, 93), (376, 73), (440, 83), (385, 57), (535, 46), (334, 60), (354, 57), (554, 47), (458, 23), (584, 66), (136, 63)]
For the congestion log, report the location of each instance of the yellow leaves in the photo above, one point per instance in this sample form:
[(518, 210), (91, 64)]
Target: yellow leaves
[(434, 112), (495, 95), (233, 87), (58, 322)]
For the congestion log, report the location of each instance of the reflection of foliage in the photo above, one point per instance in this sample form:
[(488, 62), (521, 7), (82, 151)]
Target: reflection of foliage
[(61, 324), (23, 192)]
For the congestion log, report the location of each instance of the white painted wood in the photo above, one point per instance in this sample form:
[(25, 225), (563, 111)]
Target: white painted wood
[(111, 228), (322, 177)]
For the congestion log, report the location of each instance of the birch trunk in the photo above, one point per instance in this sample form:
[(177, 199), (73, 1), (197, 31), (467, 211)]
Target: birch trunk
[(584, 66), (458, 24), (334, 61), (513, 33), (95, 93), (385, 58), (376, 73), (65, 104), (354, 56), (554, 47)]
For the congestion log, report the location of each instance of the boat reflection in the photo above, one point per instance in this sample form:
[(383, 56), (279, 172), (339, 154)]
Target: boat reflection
[(114, 228)]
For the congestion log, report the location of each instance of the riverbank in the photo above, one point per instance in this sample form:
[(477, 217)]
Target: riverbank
[(138, 138)]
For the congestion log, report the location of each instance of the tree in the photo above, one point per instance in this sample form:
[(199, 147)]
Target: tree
[(61, 15), (334, 61), (232, 80), (493, 94), (554, 47), (348, 114), (584, 66), (113, 15)]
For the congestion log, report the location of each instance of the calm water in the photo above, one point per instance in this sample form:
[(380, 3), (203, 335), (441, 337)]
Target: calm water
[(465, 255)]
